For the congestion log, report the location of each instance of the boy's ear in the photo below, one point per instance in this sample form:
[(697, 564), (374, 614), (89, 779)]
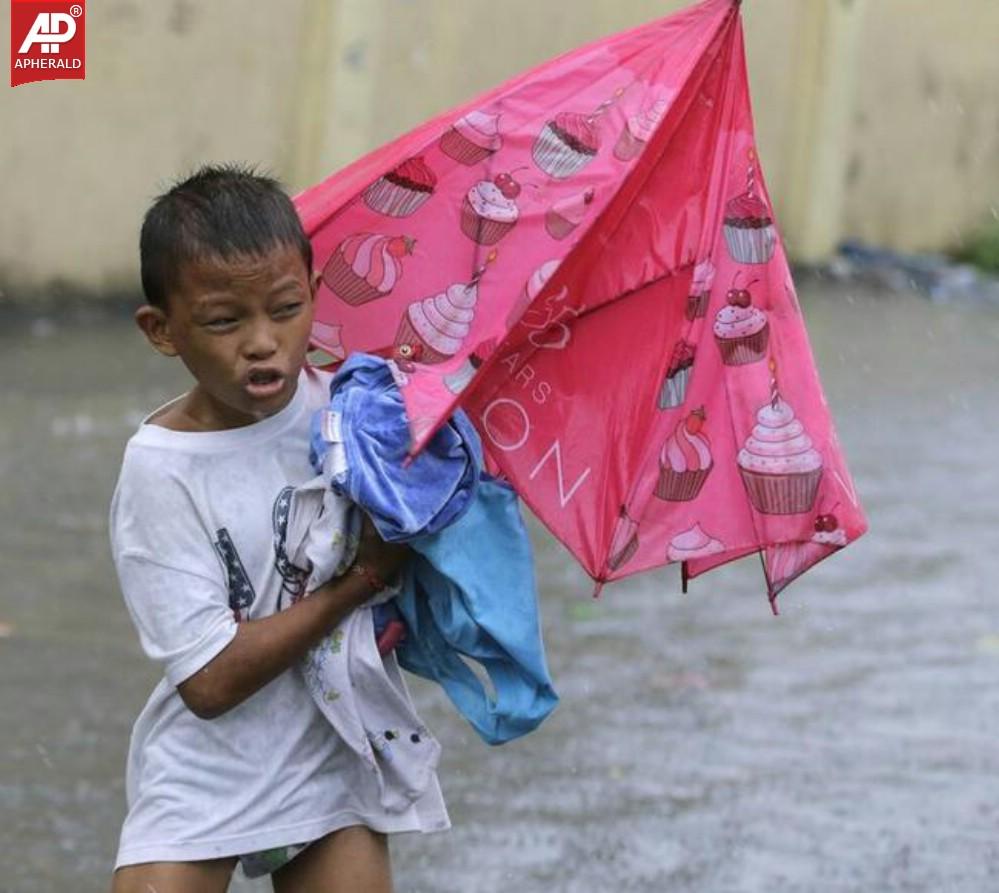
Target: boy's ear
[(156, 327), (314, 284)]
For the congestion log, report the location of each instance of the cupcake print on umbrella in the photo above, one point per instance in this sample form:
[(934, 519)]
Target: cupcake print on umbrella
[(538, 280), (565, 215), (778, 464), (742, 331), (489, 210), (639, 129), (460, 379), (685, 461), (749, 228), (402, 190), (785, 562), (693, 543), (677, 378), (325, 347), (827, 530), (625, 541), (570, 141), (433, 328), (700, 290), (472, 138), (366, 266)]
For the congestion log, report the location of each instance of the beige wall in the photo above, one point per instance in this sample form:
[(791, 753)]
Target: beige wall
[(396, 63), (924, 154), (168, 85), (889, 109)]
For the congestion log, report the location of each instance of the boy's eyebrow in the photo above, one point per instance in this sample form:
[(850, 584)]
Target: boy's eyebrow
[(207, 302), (287, 285)]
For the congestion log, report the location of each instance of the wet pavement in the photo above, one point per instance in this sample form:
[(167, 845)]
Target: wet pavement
[(701, 744)]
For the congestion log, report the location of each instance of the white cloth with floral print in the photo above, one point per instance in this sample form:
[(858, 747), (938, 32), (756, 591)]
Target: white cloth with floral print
[(361, 693)]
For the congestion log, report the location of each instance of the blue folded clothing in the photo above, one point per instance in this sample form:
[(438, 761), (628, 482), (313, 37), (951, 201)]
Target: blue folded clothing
[(403, 502), (469, 593)]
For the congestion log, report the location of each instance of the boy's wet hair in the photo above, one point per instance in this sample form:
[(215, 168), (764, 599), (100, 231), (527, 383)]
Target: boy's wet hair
[(221, 211)]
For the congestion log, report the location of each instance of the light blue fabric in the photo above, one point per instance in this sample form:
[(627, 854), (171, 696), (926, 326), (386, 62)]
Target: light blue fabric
[(470, 590)]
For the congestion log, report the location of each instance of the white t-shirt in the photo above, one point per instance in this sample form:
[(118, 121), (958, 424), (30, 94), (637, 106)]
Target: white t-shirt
[(196, 523)]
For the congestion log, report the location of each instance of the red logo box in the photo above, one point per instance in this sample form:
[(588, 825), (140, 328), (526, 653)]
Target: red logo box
[(47, 41)]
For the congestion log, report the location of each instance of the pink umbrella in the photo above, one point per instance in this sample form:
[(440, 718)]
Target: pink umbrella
[(585, 259)]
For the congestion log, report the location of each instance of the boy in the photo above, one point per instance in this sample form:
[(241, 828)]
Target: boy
[(231, 759)]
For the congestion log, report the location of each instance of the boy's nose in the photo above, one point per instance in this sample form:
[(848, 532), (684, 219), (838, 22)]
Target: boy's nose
[(261, 342)]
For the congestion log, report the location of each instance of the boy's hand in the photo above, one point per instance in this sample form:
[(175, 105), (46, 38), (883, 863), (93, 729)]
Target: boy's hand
[(384, 559)]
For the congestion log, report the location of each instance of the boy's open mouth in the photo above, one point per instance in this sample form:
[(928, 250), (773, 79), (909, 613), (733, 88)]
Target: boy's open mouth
[(264, 382)]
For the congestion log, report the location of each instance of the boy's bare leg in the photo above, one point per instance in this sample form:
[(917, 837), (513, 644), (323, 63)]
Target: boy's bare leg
[(351, 860), (209, 876)]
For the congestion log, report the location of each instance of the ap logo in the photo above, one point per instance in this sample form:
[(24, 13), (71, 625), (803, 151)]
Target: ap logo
[(50, 29), (47, 41)]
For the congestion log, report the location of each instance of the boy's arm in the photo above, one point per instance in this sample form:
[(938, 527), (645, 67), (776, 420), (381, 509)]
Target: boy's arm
[(262, 649)]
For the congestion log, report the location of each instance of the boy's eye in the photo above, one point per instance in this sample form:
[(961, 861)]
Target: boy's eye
[(221, 322), (289, 309)]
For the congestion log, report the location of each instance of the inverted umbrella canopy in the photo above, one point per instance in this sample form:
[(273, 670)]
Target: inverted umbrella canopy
[(585, 259)]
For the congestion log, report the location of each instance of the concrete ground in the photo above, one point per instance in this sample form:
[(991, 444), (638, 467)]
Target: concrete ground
[(701, 744)]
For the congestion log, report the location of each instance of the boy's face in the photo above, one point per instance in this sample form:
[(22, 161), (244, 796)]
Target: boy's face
[(241, 327)]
